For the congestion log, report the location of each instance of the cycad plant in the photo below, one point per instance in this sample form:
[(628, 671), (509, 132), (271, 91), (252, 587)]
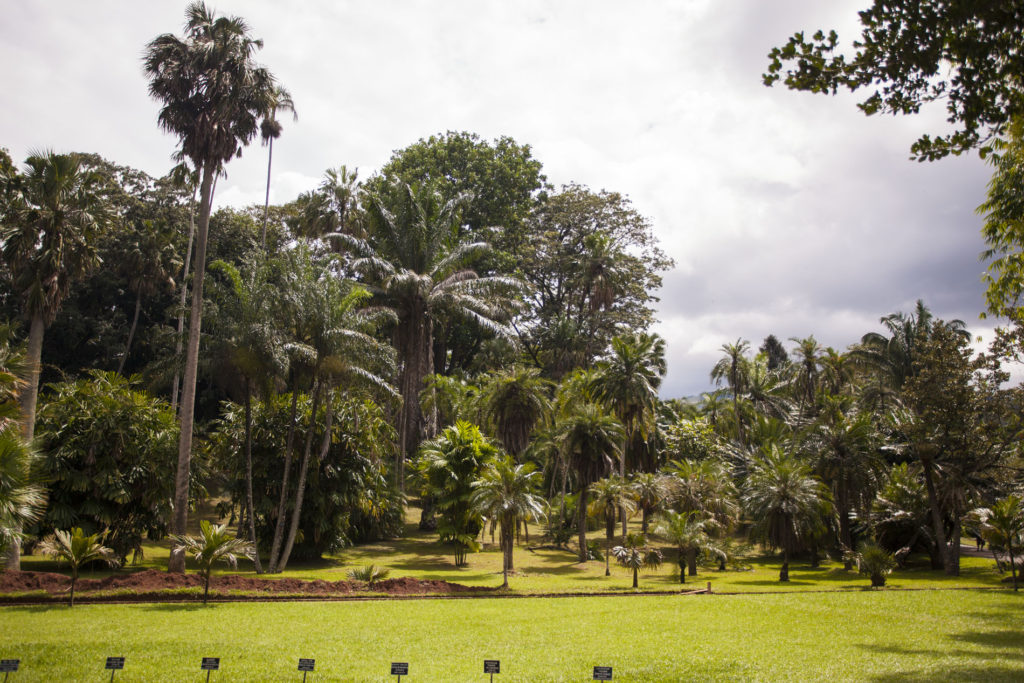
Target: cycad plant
[(213, 544), (635, 554), (875, 562), (77, 549)]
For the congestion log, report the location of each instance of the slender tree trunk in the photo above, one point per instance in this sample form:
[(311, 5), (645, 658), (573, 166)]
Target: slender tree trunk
[(682, 566), (1013, 563), (784, 572), (691, 561), (266, 200), (845, 535), (418, 360), (131, 331), (954, 546), (206, 586), (182, 298), (248, 477), (622, 473), (275, 547), (636, 583), (304, 467), (28, 399), (188, 395), (581, 515)]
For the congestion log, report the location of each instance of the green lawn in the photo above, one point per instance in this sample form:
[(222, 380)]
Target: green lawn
[(862, 635), (419, 554)]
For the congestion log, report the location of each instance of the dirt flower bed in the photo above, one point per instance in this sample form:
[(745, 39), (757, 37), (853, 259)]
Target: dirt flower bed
[(154, 584)]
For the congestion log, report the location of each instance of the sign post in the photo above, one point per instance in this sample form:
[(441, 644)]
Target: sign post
[(7, 666), (306, 665), (399, 669), (209, 665), (115, 664), (492, 666), (602, 673)]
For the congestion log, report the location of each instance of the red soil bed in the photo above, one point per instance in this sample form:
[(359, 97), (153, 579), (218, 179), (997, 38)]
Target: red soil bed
[(154, 584)]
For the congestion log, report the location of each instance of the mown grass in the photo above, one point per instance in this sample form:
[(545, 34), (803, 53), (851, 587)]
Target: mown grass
[(862, 635)]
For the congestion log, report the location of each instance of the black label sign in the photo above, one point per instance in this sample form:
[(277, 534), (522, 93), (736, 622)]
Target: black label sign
[(210, 664), (115, 662), (602, 673), (306, 664), (492, 666), (9, 665), (399, 668)]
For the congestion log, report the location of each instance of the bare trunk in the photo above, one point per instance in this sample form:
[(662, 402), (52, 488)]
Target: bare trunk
[(182, 298), (266, 200), (179, 521), (691, 561), (419, 351), (29, 397), (845, 534), (937, 528), (248, 477), (304, 467), (74, 580), (581, 515), (784, 572), (622, 473), (275, 547), (131, 331), (1013, 564)]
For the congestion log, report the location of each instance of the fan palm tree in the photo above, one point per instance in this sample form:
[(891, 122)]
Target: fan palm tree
[(689, 533), (591, 441), (515, 401), (634, 554), (77, 549), (270, 130), (213, 96), (56, 210), (214, 544), (782, 496), (733, 369), (415, 264), (506, 492), (331, 207), (612, 496)]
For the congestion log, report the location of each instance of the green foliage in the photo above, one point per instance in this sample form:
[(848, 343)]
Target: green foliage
[(1003, 229), (214, 544), (634, 554), (689, 533), (506, 491), (77, 549), (371, 574), (1002, 525), (874, 562), (447, 467), (960, 52), (108, 454)]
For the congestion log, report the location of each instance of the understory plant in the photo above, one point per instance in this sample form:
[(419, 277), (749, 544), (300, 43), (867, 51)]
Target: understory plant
[(213, 544), (77, 549), (873, 561)]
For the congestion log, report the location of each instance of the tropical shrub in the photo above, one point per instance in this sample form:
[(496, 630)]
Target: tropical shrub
[(77, 549), (874, 562), (214, 544)]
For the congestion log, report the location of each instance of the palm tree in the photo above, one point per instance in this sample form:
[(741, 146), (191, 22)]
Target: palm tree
[(591, 440), (77, 549), (651, 492), (627, 383), (612, 496), (214, 544), (213, 96), (706, 487), (733, 369), (415, 265), (782, 497), (687, 531), (1002, 525), (57, 209), (515, 401), (270, 130), (805, 369), (506, 492), (635, 554)]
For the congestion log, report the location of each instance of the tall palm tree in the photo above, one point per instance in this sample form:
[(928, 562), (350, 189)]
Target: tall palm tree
[(506, 492), (627, 383), (612, 495), (732, 369), (782, 497), (415, 264), (591, 441), (805, 370), (48, 240), (270, 130), (515, 401), (213, 96)]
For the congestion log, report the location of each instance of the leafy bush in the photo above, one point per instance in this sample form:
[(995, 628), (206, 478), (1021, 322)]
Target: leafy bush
[(875, 562), (371, 574)]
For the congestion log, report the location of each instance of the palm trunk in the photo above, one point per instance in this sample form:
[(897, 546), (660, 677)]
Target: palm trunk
[(682, 566), (188, 394), (691, 561), (131, 331), (622, 473), (275, 547), (182, 298), (845, 535), (304, 468), (784, 572), (248, 477), (28, 399), (206, 586), (419, 351), (266, 200), (581, 515), (636, 572)]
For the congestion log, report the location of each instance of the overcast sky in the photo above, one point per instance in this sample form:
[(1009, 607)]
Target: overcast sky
[(786, 213)]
